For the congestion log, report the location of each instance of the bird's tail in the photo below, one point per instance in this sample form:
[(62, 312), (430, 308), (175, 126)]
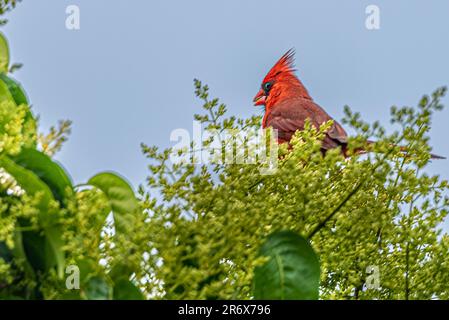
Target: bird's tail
[(403, 150)]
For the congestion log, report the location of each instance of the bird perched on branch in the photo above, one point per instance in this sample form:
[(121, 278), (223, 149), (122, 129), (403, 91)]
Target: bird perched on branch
[(288, 105)]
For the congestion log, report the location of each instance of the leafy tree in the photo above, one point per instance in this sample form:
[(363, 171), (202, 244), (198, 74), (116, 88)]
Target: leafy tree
[(47, 223), (380, 211), (313, 226), (6, 5)]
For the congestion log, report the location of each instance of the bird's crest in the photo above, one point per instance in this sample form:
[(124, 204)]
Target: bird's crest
[(284, 64)]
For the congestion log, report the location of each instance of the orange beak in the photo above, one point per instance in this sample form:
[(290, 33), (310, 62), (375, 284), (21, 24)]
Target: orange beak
[(260, 98)]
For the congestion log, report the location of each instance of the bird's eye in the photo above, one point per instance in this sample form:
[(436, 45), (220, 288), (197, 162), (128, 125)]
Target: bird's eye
[(267, 87)]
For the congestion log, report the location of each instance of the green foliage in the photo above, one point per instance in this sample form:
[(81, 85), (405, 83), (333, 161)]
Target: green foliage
[(292, 271), (5, 6), (17, 126), (46, 224), (4, 53), (15, 90), (380, 211), (121, 198), (225, 229), (52, 142), (126, 290)]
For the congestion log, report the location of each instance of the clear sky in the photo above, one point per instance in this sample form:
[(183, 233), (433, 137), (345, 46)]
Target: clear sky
[(126, 76)]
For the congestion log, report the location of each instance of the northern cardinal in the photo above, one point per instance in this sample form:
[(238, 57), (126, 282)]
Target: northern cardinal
[(288, 105)]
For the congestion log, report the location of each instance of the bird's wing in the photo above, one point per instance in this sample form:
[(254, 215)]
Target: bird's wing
[(290, 115)]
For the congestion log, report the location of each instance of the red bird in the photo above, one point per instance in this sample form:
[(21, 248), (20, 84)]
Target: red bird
[(288, 105)]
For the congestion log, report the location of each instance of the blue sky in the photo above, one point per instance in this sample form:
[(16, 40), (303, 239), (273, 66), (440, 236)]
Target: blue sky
[(126, 76)]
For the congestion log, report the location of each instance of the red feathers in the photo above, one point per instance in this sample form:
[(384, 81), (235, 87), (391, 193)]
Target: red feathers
[(284, 65), (280, 83), (288, 105)]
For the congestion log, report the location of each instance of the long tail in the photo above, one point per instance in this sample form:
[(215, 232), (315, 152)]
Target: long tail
[(403, 149)]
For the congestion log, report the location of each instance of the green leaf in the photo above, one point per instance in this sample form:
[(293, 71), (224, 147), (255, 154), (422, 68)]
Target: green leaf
[(292, 271), (19, 253), (121, 198), (124, 206), (4, 54), (30, 182), (119, 270), (97, 288), (18, 94), (126, 290), (50, 252), (15, 89), (50, 172), (55, 242), (5, 253), (5, 94), (37, 251), (11, 92)]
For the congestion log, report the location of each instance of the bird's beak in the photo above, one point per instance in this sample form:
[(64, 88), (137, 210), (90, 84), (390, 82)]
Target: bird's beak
[(260, 98)]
